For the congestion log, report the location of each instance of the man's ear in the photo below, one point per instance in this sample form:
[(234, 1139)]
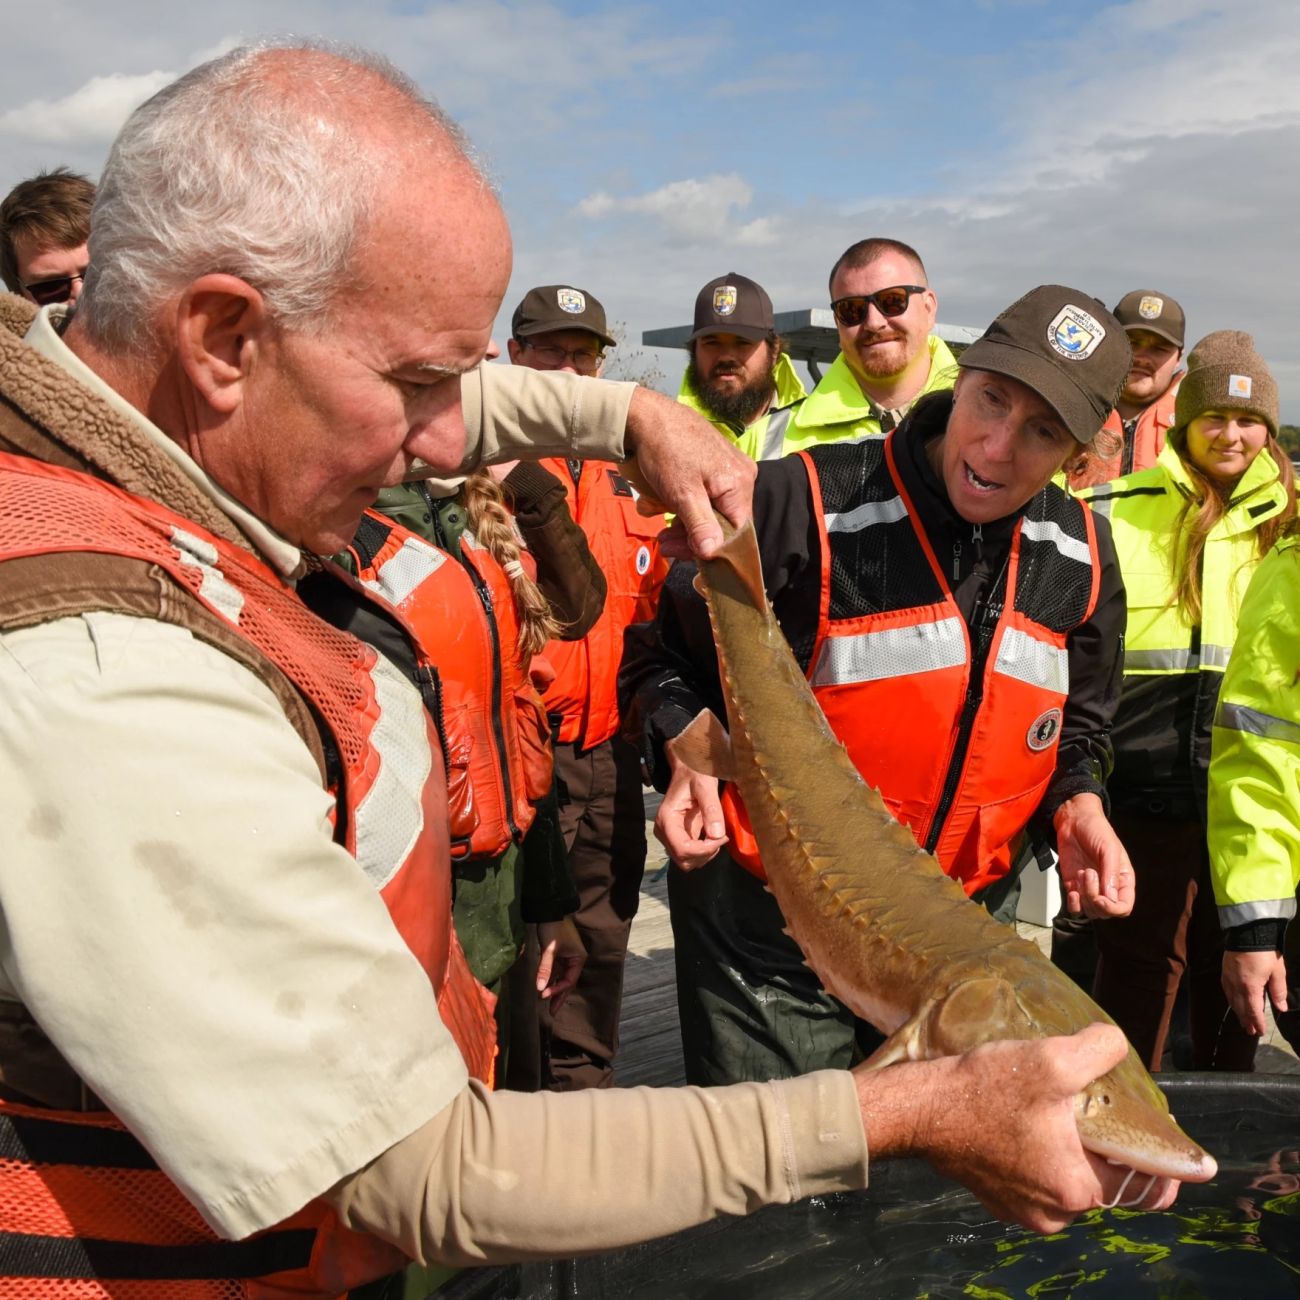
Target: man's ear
[(221, 324)]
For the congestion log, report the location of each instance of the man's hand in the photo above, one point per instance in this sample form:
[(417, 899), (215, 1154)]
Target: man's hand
[(1096, 875), (689, 821), (1000, 1120), (689, 469), (1248, 979), (562, 958)]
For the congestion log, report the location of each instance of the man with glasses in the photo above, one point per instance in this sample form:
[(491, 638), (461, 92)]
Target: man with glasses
[(598, 774), (44, 226), (739, 377), (884, 312)]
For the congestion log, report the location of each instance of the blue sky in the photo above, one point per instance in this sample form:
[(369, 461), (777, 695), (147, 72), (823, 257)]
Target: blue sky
[(642, 149)]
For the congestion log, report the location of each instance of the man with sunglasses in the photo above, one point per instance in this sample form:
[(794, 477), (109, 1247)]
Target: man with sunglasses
[(44, 226), (959, 617), (884, 312), (598, 774), (739, 377)]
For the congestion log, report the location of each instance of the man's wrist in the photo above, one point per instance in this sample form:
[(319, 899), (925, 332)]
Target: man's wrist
[(1264, 935)]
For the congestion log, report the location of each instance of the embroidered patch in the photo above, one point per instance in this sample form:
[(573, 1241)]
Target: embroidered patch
[(724, 299), (1150, 307), (1043, 732), (643, 560), (1074, 334), (571, 300), (1239, 385)]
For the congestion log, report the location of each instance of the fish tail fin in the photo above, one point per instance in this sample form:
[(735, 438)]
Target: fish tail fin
[(705, 747), (736, 565)]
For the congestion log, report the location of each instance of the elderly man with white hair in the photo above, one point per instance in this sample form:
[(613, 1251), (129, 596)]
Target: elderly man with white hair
[(239, 1049)]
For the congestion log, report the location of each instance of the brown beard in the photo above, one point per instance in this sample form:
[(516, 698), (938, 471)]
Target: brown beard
[(737, 408)]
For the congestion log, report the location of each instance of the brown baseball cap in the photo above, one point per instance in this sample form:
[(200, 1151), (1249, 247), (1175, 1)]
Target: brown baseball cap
[(1064, 345), (1149, 309), (560, 307), (733, 304)]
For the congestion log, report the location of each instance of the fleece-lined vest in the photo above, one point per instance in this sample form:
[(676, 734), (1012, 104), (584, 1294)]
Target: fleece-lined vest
[(84, 1210), (625, 545), (464, 614), (963, 762)]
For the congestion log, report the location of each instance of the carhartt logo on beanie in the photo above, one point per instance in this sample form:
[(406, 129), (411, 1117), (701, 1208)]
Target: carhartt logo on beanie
[(1225, 373)]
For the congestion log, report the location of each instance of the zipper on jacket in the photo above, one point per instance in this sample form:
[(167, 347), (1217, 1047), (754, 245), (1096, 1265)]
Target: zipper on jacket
[(956, 559), (981, 643)]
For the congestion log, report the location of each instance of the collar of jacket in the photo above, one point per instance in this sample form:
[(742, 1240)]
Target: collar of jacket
[(839, 400), (789, 390), (1260, 485)]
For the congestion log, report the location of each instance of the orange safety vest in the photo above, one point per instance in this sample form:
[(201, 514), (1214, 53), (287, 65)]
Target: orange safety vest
[(964, 770), (84, 1209), (465, 617), (625, 545), (1154, 422)]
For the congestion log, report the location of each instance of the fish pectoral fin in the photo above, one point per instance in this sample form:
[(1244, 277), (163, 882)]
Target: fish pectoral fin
[(904, 1044), (705, 747)]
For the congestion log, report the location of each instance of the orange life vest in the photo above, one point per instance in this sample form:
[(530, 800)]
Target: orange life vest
[(84, 1210), (1153, 423), (464, 614), (891, 664), (625, 545)]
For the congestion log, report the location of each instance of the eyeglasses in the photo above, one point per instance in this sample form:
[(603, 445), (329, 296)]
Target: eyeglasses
[(889, 302), (583, 361), (57, 288)]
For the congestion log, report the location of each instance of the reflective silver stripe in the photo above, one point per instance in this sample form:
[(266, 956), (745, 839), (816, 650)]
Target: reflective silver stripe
[(866, 515), (1254, 722), (404, 570), (1102, 504), (390, 818), (1029, 660), (1272, 909), (1163, 661), (893, 652), (1215, 656), (774, 435), (214, 587), (1046, 530)]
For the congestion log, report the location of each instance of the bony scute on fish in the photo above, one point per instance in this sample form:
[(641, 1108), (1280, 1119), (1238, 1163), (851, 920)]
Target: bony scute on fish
[(882, 926)]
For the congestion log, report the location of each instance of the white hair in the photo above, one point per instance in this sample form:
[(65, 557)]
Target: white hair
[(237, 168)]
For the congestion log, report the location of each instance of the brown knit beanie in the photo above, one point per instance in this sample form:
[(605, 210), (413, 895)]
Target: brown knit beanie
[(1225, 373)]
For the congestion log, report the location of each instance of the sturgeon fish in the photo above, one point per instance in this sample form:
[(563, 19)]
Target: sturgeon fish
[(878, 921)]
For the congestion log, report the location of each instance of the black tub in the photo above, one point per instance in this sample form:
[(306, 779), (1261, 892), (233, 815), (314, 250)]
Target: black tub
[(914, 1234)]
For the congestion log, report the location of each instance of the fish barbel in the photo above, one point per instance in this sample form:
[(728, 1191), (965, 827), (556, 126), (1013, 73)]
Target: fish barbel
[(880, 924)]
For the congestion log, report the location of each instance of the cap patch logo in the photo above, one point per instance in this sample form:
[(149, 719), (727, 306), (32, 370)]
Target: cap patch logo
[(724, 299), (1238, 385), (572, 301), (1074, 334), (1150, 307), (1043, 732)]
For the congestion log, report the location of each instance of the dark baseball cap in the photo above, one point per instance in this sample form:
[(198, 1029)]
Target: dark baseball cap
[(1064, 345), (1149, 309), (560, 307), (733, 304)]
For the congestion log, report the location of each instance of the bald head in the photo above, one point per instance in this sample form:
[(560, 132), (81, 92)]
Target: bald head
[(269, 164)]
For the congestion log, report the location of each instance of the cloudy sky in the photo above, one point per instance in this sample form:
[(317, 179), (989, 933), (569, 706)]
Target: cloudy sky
[(643, 149)]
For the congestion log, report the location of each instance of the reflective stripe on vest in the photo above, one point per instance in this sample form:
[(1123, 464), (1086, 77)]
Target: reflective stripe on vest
[(774, 435), (1255, 722), (892, 652)]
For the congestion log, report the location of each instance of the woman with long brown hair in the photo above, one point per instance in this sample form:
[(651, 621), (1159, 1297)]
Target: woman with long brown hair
[(1189, 533)]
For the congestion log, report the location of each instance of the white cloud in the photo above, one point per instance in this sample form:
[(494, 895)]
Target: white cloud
[(94, 111), (695, 209)]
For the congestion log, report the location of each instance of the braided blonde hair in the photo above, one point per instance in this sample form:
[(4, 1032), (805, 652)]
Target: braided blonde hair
[(494, 529)]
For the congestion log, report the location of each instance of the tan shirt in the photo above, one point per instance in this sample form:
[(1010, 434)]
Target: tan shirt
[(219, 971)]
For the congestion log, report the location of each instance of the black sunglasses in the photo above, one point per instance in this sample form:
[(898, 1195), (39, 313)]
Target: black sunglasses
[(889, 302), (57, 288)]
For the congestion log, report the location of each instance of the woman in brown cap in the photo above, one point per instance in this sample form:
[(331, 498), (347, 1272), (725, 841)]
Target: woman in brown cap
[(1189, 532)]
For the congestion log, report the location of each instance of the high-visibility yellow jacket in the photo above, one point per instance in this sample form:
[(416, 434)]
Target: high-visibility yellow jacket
[(765, 439), (1254, 804), (838, 409), (1172, 671)]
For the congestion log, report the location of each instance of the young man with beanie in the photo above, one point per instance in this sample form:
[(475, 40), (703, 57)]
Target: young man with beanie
[(1135, 430), (738, 376), (1188, 534), (598, 774), (960, 618), (884, 311)]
